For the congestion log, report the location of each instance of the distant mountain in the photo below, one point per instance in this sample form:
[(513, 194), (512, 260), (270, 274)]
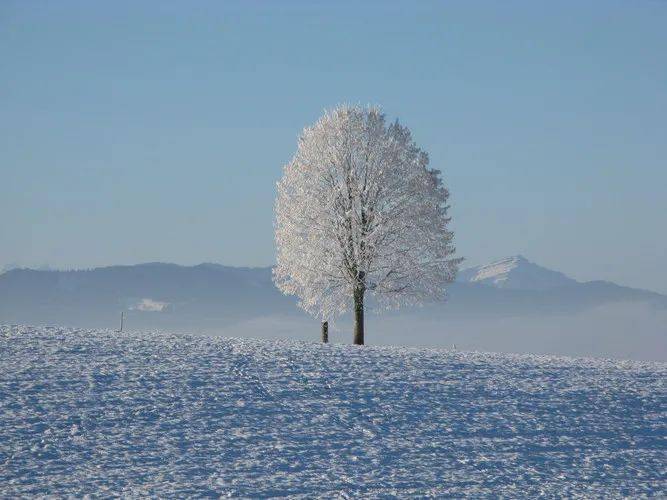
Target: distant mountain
[(516, 273), (153, 295), (14, 265), (509, 305)]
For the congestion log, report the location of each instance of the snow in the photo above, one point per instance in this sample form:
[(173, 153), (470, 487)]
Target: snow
[(137, 414), (496, 272), (150, 305), (515, 272)]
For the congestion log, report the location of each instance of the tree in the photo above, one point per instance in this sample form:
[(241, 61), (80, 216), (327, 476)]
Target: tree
[(359, 211)]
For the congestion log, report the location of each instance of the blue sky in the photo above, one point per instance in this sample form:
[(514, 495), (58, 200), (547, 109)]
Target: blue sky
[(155, 131)]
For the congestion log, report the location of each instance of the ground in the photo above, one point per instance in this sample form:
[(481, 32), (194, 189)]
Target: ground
[(136, 414)]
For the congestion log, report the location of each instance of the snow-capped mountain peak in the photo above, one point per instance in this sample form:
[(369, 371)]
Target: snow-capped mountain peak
[(515, 272), (498, 272)]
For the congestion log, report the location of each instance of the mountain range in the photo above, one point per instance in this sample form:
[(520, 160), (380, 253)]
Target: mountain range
[(508, 305)]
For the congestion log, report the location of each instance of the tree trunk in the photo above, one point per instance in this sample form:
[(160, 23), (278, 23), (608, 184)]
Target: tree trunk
[(359, 316), (325, 332)]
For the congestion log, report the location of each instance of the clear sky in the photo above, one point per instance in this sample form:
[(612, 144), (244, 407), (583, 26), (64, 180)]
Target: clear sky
[(156, 131)]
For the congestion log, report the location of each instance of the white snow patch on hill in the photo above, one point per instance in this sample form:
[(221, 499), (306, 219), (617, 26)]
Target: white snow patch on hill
[(150, 305), (517, 273), (98, 412), (497, 272)]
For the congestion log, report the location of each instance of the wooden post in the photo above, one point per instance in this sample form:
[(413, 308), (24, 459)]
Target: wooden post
[(122, 317), (325, 332)]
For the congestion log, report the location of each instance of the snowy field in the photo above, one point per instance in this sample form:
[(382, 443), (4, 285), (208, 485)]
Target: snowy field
[(97, 412)]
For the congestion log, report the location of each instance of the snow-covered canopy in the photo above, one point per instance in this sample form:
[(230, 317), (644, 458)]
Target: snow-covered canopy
[(359, 209)]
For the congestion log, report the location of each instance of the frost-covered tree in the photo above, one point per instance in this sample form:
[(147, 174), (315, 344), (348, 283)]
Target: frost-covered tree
[(359, 211)]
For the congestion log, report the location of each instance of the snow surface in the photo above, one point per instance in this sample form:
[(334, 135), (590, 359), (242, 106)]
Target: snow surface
[(98, 412)]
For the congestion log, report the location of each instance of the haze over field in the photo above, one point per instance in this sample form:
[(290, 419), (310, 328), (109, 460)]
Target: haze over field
[(511, 305)]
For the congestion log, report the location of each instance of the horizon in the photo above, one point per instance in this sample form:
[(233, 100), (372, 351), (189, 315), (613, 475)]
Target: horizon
[(160, 125), (462, 268)]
